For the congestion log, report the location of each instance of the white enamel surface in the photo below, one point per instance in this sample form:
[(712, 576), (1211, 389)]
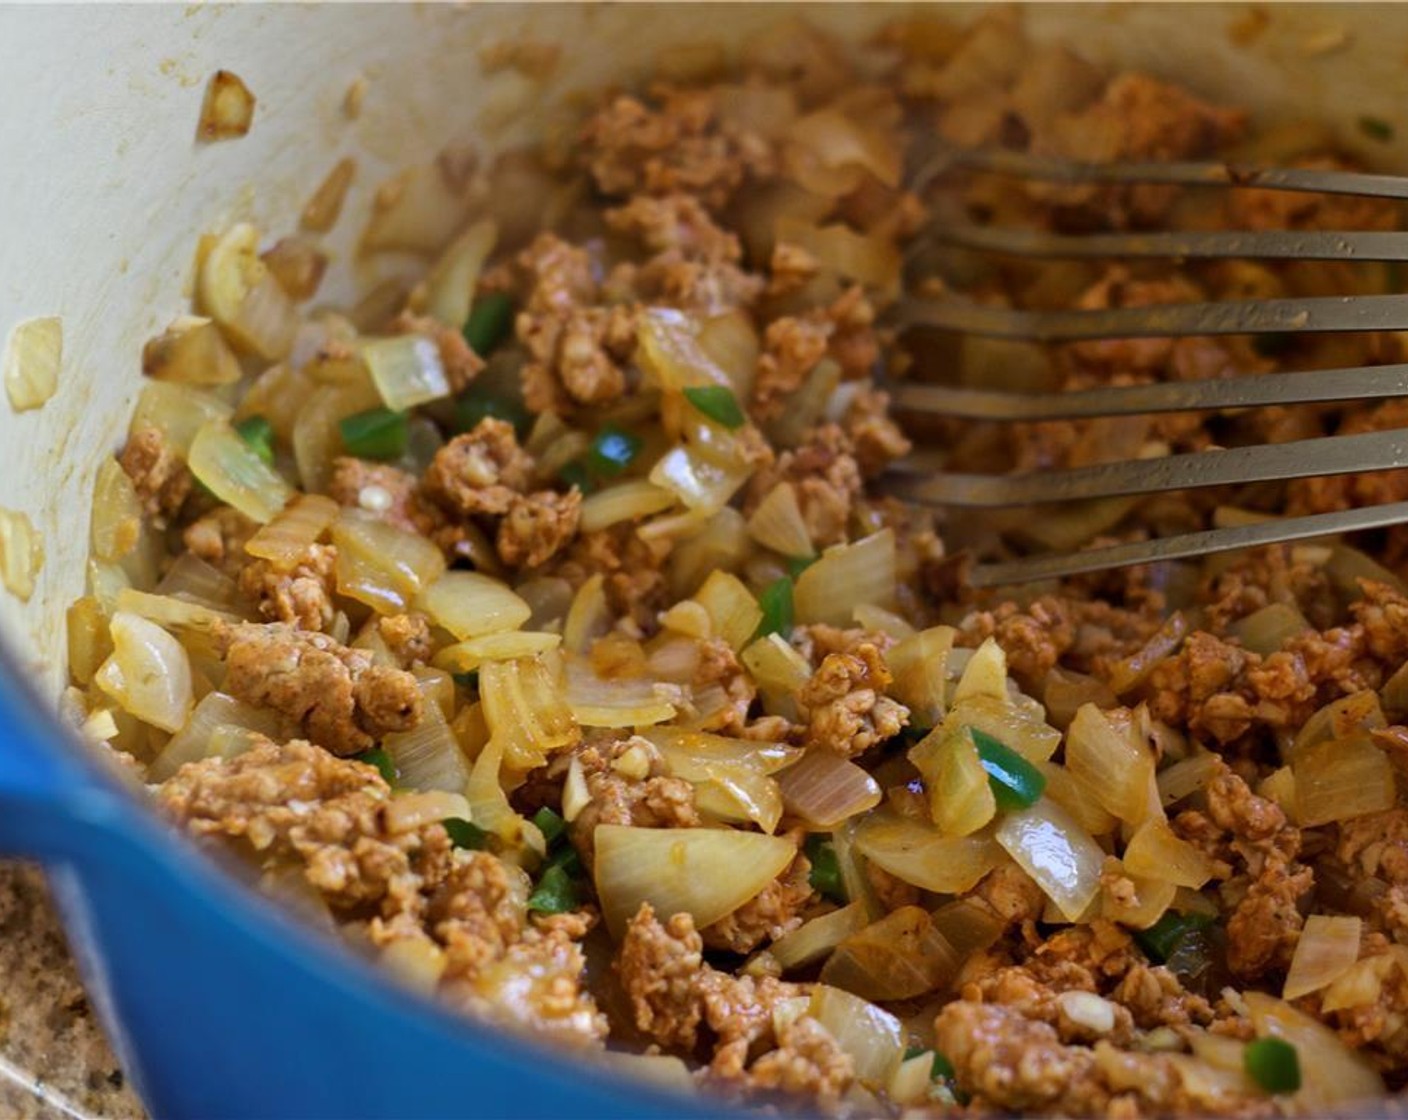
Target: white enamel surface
[(103, 190)]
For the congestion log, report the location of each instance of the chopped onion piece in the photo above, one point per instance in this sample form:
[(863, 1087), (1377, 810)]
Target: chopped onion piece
[(1347, 566), (837, 141), (813, 940), (406, 369), (901, 956), (625, 501), (1055, 851), (1152, 898), (1015, 723), (1066, 692), (1267, 630), (704, 748), (777, 523), (870, 617), (670, 354), (1333, 1074), (919, 665), (1363, 983), (117, 513), (870, 259), (89, 643), (873, 1038), (846, 576), (451, 283), (428, 756), (508, 645), (779, 671), (961, 799), (148, 673), (32, 359), (525, 711), (286, 539), (1186, 777), (1130, 672), (469, 604), (381, 565), (1118, 770), (824, 789), (549, 598), (317, 435), (178, 412), (731, 341), (733, 610), (598, 702), (984, 675), (169, 612), (589, 617), (806, 407), (919, 854), (1327, 948), (232, 471), (1339, 719), (197, 738), (321, 211), (732, 792), (718, 543), (969, 925), (488, 804), (416, 211), (228, 108), (698, 481), (1155, 852), (1076, 798), (240, 293), (705, 872), (1339, 779), (21, 553)]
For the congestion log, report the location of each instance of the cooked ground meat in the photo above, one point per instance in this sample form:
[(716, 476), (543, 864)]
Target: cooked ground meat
[(159, 475), (482, 471), (336, 695), (845, 703)]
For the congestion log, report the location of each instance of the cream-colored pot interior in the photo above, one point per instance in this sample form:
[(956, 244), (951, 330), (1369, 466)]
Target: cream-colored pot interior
[(103, 189)]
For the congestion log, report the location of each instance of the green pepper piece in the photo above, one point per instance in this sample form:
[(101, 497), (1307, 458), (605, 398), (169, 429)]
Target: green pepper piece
[(378, 433), (776, 602), (549, 824), (717, 403), (554, 894), (382, 761), (258, 433), (465, 834), (489, 322), (613, 451), (1273, 1064), (1161, 939), (825, 875), (1015, 782)]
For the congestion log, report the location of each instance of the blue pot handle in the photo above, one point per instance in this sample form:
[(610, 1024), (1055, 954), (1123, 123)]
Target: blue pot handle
[(51, 798)]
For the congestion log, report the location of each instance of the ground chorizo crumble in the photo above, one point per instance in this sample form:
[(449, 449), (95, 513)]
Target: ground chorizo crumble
[(665, 406)]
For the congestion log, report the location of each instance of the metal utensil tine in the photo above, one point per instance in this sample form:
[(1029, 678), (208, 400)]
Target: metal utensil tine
[(1319, 314), (1186, 174), (1188, 545), (1168, 396), (915, 480), (1200, 244)]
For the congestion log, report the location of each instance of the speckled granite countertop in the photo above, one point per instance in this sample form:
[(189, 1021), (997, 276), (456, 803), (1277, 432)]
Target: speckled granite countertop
[(54, 1062)]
